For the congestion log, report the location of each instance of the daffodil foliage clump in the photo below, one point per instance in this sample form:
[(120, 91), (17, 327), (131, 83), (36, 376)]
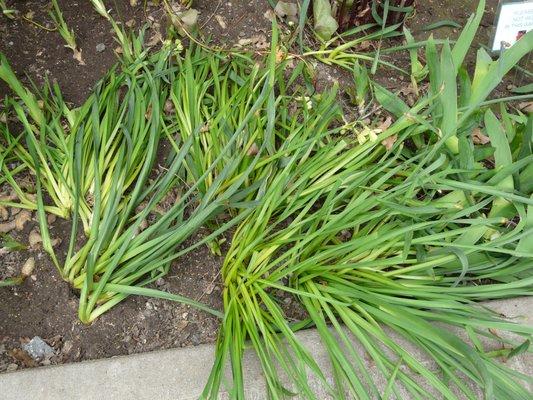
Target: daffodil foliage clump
[(395, 233)]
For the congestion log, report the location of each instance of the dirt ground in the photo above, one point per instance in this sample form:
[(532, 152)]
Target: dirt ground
[(44, 305)]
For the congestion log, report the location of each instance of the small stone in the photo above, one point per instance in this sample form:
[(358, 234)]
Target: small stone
[(160, 282), (209, 289), (38, 349), (221, 21), (195, 339), (35, 238), (12, 367), (147, 313), (100, 47), (51, 218), (21, 219), (4, 214), (27, 268)]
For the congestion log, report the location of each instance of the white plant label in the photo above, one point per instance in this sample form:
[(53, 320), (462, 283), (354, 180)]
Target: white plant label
[(514, 21)]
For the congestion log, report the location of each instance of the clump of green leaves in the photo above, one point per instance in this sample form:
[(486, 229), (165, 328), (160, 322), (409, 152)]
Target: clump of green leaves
[(369, 238), (7, 12), (372, 239), (66, 33)]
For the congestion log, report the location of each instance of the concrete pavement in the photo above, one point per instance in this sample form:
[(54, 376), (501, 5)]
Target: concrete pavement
[(180, 374)]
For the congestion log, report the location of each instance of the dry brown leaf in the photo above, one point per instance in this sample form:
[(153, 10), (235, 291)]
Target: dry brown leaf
[(389, 142), (269, 14), (478, 137), (280, 55), (253, 150), (23, 357), (8, 197), (385, 124), (155, 39), (262, 44), (526, 106), (7, 227), (148, 113), (364, 45), (285, 9), (169, 107)]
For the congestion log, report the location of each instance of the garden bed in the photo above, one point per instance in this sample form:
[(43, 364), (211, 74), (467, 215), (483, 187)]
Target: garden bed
[(44, 305)]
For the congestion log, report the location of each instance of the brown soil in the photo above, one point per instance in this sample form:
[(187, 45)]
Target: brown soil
[(44, 305)]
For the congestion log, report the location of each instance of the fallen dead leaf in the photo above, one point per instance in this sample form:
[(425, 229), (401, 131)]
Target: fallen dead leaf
[(189, 18), (269, 14), (8, 197), (288, 10), (148, 113), (478, 137), (262, 44), (23, 357), (169, 107), (280, 55), (364, 45), (389, 142), (526, 106), (155, 39), (253, 150), (385, 124)]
